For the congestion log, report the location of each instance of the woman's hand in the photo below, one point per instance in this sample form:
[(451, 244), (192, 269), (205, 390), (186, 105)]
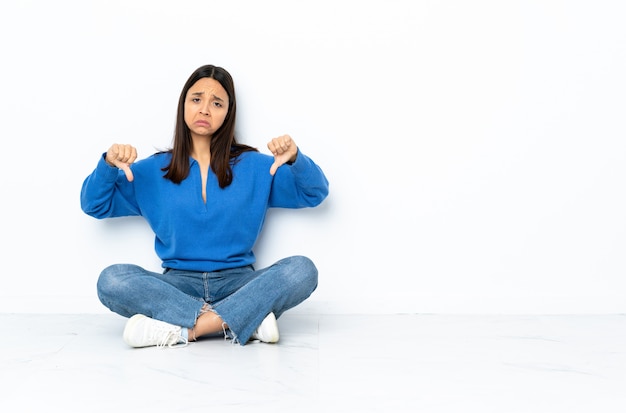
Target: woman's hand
[(121, 156), (284, 150)]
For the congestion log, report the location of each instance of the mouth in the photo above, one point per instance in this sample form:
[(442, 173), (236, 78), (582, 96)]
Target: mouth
[(203, 123)]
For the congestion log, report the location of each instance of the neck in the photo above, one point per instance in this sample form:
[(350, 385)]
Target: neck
[(201, 149)]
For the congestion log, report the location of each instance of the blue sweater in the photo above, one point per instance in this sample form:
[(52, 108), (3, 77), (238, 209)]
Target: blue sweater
[(189, 233)]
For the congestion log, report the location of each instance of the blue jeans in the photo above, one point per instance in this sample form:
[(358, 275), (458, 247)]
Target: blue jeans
[(242, 297)]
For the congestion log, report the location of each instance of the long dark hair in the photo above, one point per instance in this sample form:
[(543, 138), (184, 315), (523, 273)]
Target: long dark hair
[(224, 147)]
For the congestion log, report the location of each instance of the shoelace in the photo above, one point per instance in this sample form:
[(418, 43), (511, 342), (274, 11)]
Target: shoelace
[(166, 339)]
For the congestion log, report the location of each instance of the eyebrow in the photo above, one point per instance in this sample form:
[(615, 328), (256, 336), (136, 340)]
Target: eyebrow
[(202, 93)]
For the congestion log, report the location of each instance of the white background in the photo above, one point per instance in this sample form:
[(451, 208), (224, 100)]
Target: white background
[(475, 149)]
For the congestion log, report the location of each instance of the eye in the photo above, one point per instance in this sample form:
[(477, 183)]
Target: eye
[(218, 104), (195, 100)]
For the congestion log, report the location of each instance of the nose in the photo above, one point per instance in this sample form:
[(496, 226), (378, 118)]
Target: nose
[(205, 110)]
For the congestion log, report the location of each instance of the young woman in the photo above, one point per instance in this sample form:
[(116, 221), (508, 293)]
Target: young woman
[(205, 199)]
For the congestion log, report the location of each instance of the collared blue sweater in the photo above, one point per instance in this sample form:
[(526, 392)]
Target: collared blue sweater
[(194, 235)]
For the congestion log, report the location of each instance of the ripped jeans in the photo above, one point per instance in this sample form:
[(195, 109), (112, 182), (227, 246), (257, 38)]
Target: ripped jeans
[(242, 297)]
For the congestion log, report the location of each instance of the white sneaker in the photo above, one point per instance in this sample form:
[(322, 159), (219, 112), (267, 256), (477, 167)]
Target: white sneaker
[(143, 331), (267, 332)]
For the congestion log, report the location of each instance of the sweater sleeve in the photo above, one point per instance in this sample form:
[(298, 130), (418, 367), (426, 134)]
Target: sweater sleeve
[(106, 193), (299, 185)]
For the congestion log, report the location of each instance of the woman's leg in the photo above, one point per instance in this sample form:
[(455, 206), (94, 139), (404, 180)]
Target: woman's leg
[(128, 289), (276, 289), (163, 309)]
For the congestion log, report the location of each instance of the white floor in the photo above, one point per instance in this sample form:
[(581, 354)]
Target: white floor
[(323, 363)]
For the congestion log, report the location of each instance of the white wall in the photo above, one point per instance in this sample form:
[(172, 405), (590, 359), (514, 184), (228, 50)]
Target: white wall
[(475, 149)]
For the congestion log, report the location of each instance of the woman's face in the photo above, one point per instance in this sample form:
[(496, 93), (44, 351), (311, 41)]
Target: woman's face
[(206, 107)]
